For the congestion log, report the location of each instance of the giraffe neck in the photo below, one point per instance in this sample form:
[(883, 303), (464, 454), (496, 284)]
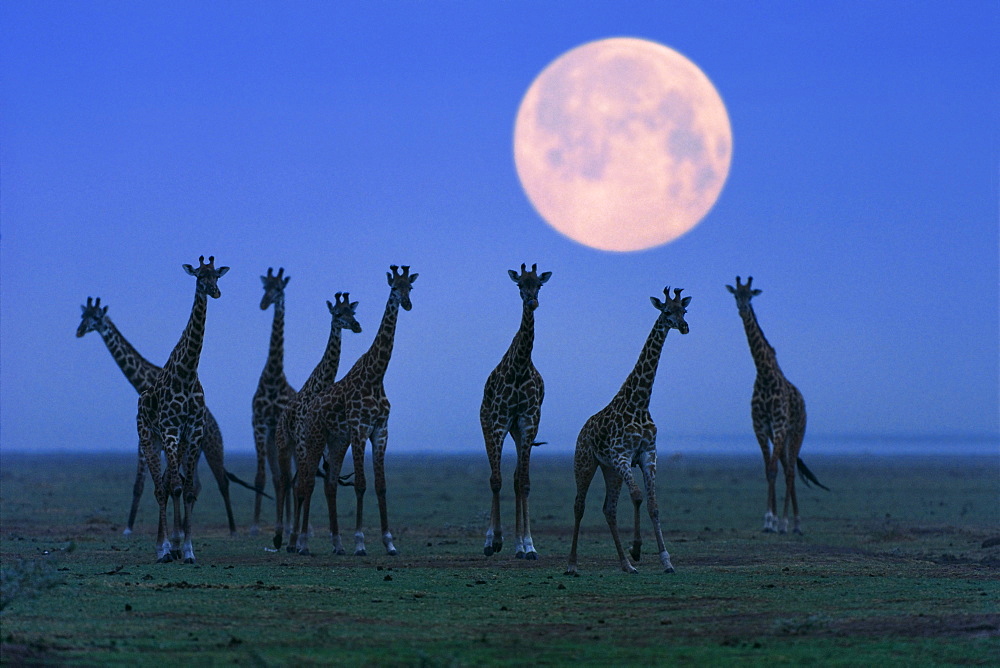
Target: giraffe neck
[(326, 371), (187, 352), (139, 371), (373, 364), (762, 352), (275, 366), (638, 386), (519, 353)]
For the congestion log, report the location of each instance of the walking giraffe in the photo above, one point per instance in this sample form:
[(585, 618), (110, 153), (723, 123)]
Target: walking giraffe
[(342, 317), (512, 403), (622, 435), (351, 412), (779, 415), (273, 390), (141, 373), (171, 420)]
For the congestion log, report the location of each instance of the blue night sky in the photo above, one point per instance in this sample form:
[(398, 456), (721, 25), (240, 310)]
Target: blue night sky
[(335, 139)]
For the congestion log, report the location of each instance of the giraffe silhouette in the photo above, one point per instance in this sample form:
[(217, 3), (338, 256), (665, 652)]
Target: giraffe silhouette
[(622, 435), (171, 420), (779, 415)]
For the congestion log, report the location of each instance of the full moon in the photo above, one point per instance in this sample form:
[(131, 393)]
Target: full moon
[(622, 144)]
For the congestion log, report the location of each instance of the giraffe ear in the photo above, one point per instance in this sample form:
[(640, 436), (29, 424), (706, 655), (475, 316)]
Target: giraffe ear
[(285, 282), (329, 305), (354, 307), (657, 303), (512, 274), (189, 269), (413, 278), (685, 302), (755, 292), (545, 277), (104, 310), (263, 280), (222, 271), (388, 276), (731, 289)]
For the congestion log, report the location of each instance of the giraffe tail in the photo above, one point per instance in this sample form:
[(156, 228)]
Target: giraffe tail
[(247, 485), (537, 443), (808, 477)]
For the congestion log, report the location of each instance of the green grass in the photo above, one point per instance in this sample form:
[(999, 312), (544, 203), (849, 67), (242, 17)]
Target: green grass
[(891, 571)]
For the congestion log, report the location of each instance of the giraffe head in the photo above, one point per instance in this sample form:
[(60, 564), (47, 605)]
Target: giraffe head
[(672, 310), (93, 319), (743, 293), (274, 287), (529, 283), (208, 276), (343, 313), (401, 282)]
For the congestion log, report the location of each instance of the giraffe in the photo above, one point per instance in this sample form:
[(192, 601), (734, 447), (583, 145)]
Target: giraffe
[(141, 373), (342, 317), (622, 435), (171, 419), (512, 403), (273, 390), (779, 415), (350, 412)]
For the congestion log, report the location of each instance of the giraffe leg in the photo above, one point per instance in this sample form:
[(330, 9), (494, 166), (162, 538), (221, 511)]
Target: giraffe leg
[(212, 451), (191, 489), (171, 448), (380, 438), (649, 480), (794, 445), (151, 451), (613, 486), (494, 447), (770, 520), (260, 445), (584, 467), (777, 457), (281, 479), (522, 490), (298, 540), (137, 487), (360, 485), (336, 451)]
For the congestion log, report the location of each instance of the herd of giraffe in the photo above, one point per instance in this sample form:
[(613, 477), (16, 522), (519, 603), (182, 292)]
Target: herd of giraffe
[(326, 416)]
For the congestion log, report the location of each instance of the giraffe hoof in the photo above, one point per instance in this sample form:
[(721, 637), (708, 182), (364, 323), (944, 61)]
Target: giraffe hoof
[(340, 551), (767, 530), (669, 569), (392, 552), (175, 554), (488, 550), (291, 549), (165, 559), (189, 560), (305, 552), (635, 552), (531, 556), (360, 553), (519, 555), (254, 531), (797, 531), (277, 542), (571, 572)]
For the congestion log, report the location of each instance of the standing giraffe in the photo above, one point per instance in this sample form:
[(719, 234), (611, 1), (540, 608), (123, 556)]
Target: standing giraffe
[(342, 317), (273, 390), (779, 415), (141, 373), (512, 403), (171, 419), (352, 411), (622, 435)]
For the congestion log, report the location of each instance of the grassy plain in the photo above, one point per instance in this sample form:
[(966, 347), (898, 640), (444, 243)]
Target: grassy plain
[(892, 570)]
